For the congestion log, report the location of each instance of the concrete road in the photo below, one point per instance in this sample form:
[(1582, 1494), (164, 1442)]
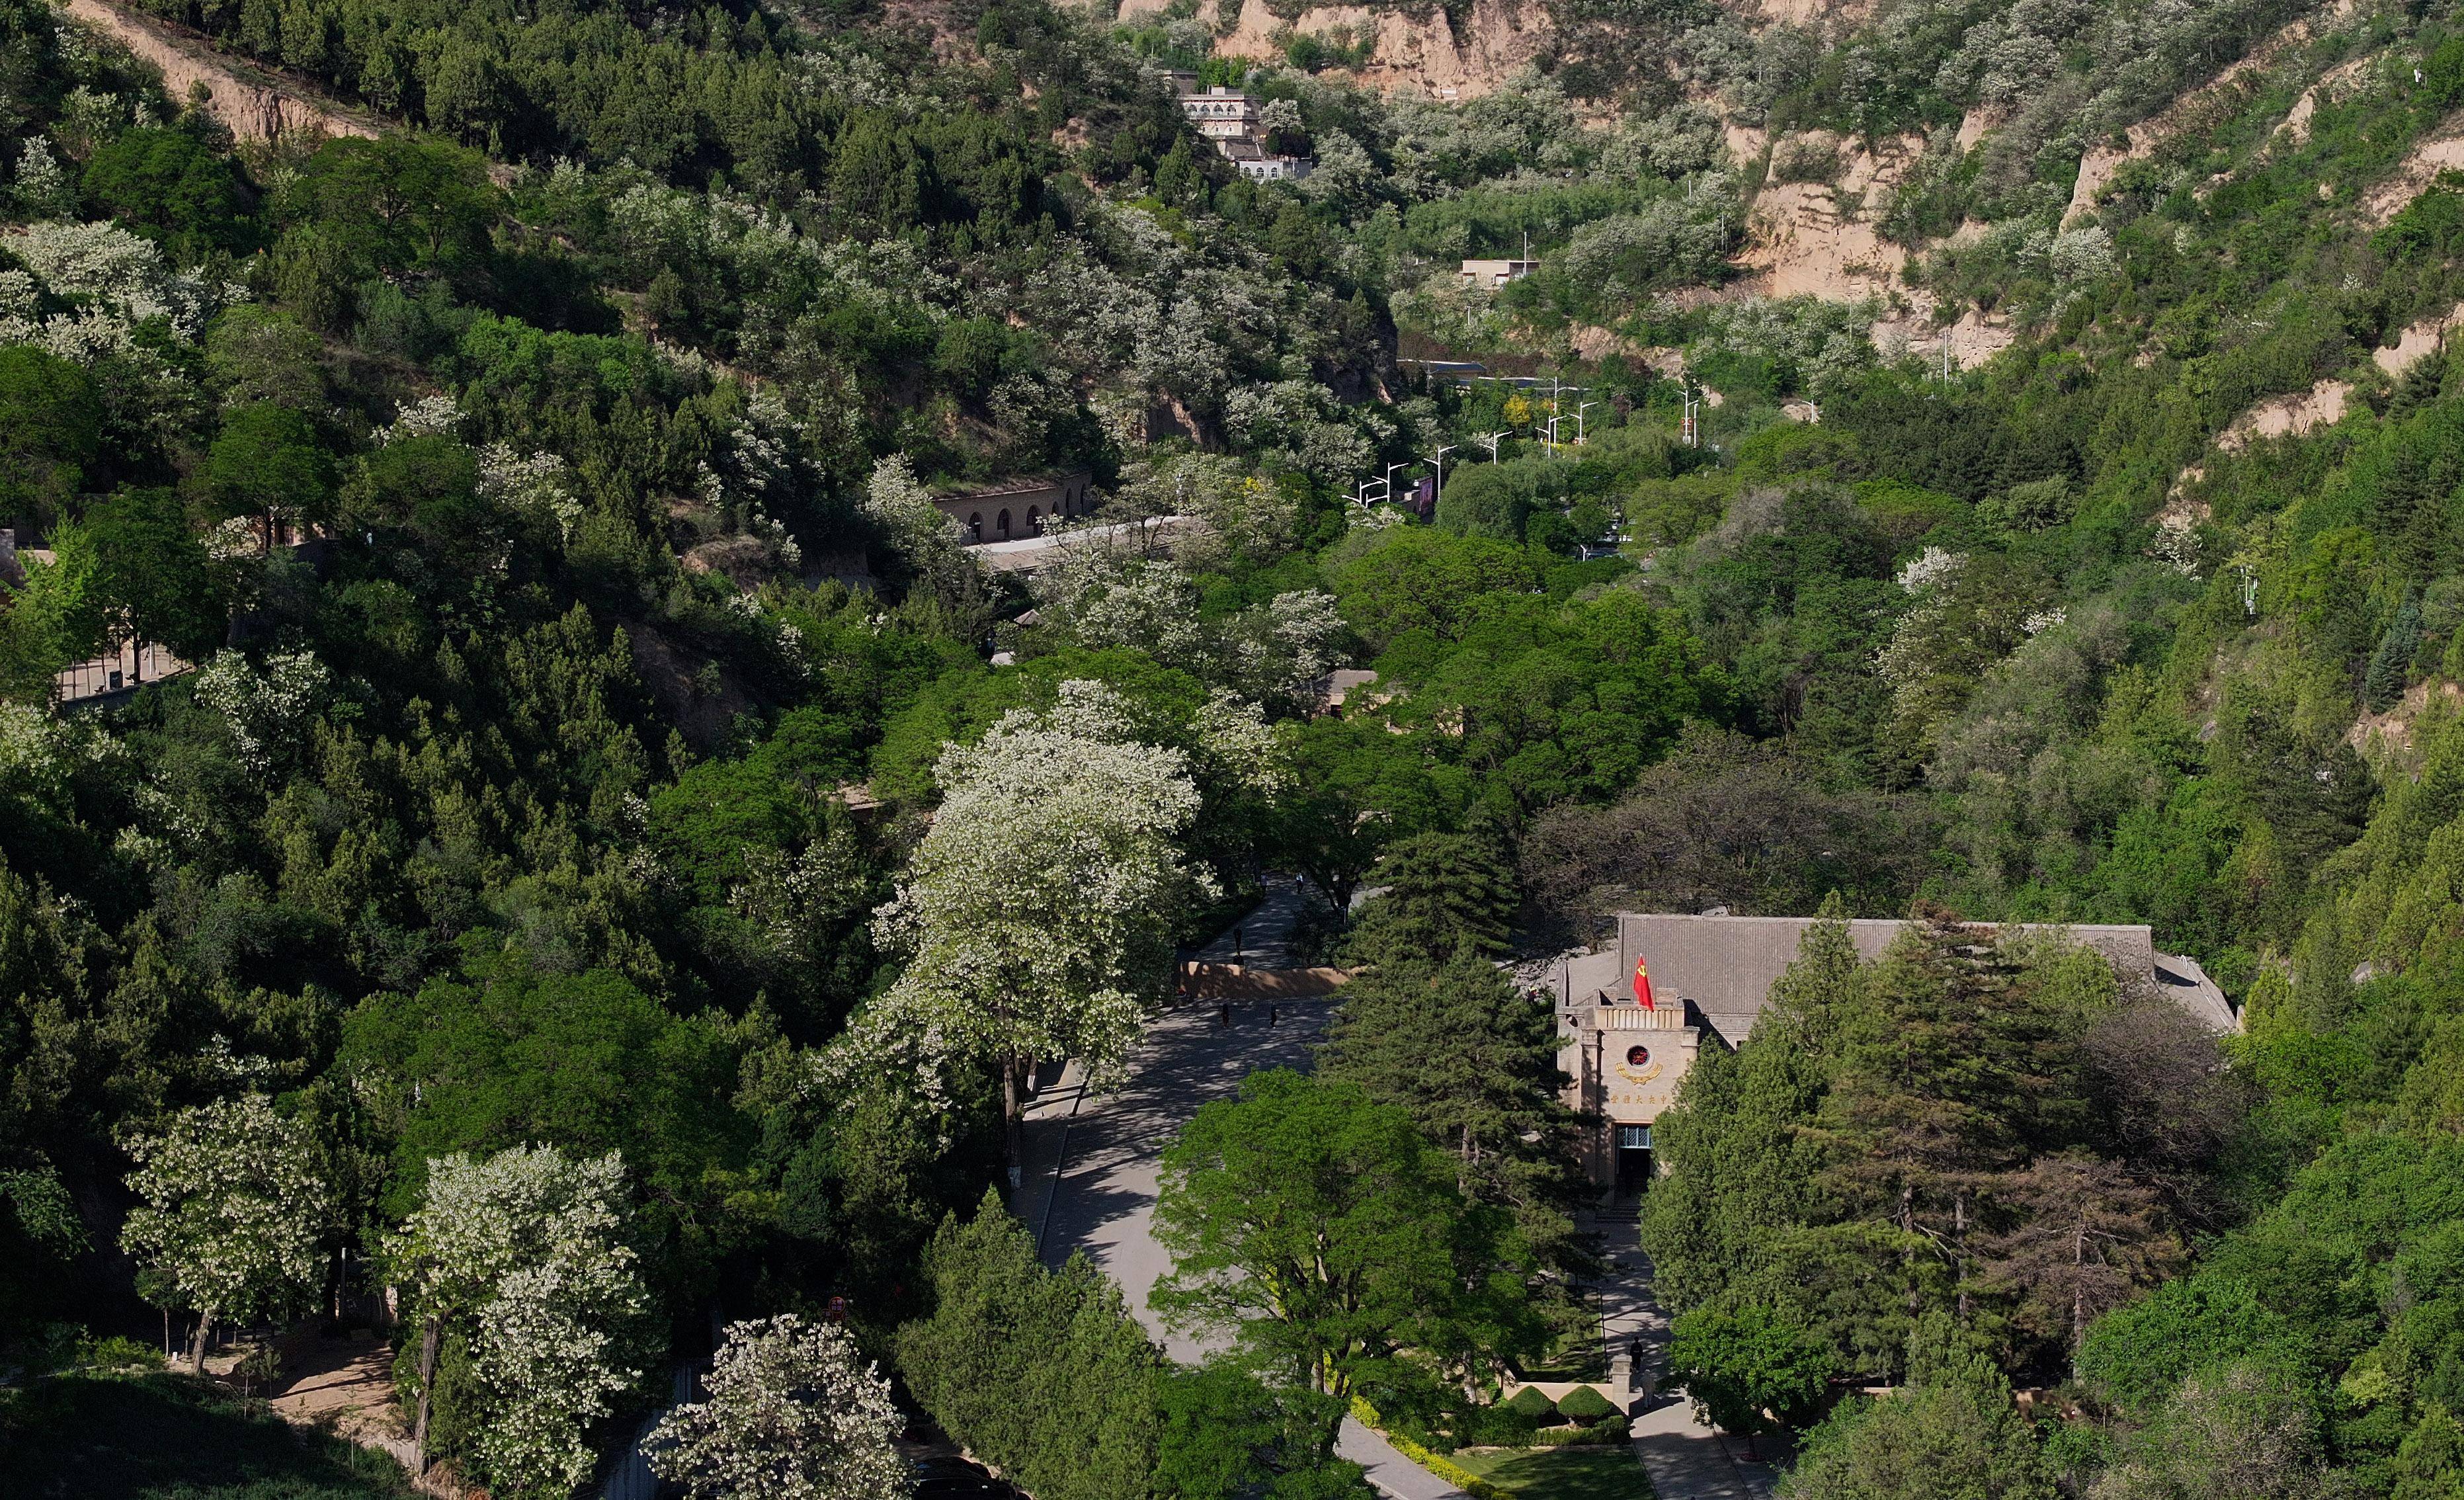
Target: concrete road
[(1093, 1168), (1100, 1196)]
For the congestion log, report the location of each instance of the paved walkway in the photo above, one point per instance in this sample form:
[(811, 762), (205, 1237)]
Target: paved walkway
[(1262, 939), (1093, 1159), (1685, 1457)]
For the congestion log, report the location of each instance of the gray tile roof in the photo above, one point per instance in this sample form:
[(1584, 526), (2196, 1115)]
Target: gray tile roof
[(1726, 965)]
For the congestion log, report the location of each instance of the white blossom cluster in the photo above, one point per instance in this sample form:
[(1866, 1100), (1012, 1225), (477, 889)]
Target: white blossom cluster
[(42, 188), (2070, 256), (430, 417), (270, 713), (112, 281), (231, 1207), (787, 896), (532, 483), (791, 1412), (1826, 342), (900, 504), (2177, 544), (1927, 568), (532, 1246), (1100, 598), (1037, 913)]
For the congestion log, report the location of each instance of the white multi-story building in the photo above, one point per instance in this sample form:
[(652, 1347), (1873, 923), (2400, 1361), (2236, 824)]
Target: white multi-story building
[(1221, 114), (1230, 119)]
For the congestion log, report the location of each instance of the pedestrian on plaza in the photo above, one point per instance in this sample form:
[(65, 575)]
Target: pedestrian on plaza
[(1273, 1015), (1224, 1016)]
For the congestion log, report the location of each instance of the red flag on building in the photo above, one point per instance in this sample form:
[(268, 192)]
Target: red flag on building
[(1642, 986)]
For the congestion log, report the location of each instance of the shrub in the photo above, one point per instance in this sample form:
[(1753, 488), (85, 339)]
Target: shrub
[(1602, 1434), (1533, 1402), (1585, 1403)]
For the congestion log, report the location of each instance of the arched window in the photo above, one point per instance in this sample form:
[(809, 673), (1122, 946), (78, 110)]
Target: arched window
[(1034, 521), (975, 527), (1000, 524)]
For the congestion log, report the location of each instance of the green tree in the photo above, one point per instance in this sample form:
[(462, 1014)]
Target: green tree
[(1952, 1433), (2239, 1432), (1445, 893), (52, 618), (151, 580), (1475, 1063), (397, 202), (267, 464), (51, 426), (583, 1062), (1226, 1434), (1748, 1371), (171, 187), (1319, 1228), (1042, 1373)]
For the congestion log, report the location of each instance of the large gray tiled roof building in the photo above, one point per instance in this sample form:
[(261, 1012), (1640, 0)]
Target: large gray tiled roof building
[(1713, 974)]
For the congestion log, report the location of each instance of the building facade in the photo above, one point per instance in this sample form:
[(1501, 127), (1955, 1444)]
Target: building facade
[(1491, 274), (1010, 510), (1221, 114), (1710, 978), (1230, 119)]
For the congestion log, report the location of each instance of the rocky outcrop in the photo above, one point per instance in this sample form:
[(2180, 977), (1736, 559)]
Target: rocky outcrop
[(1813, 239), (1424, 54)]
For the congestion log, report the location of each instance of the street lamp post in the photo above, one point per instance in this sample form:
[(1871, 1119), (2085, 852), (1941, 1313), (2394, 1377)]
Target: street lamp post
[(1491, 439), (1439, 464), (1578, 421)]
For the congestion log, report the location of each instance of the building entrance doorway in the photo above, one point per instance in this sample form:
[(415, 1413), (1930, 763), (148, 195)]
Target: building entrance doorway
[(1633, 1160)]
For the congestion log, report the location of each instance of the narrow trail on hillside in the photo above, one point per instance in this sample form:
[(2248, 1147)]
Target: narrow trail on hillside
[(254, 103)]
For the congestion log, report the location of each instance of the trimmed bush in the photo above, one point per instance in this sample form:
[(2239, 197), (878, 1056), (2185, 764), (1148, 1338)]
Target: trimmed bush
[(1585, 1403), (1604, 1434), (1533, 1402)]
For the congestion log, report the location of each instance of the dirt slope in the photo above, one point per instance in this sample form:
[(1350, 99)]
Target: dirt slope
[(254, 103)]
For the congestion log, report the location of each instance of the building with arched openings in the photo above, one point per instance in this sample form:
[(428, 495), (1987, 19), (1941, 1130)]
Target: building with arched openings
[(1016, 508)]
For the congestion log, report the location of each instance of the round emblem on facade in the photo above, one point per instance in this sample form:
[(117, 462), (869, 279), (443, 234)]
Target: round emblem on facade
[(1637, 1056)]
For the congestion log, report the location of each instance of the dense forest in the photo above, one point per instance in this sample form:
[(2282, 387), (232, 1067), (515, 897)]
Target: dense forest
[(590, 865)]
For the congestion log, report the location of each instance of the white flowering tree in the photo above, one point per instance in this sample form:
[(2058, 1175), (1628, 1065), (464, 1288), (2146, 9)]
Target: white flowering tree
[(792, 1413), (233, 1209), (1037, 915), (527, 1252)]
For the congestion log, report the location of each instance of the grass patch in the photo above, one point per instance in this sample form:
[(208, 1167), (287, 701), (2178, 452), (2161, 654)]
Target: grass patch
[(172, 1437), (1563, 1474)]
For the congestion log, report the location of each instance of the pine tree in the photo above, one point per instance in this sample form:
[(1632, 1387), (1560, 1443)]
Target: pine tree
[(1443, 892), (1476, 1064), (1740, 1164)]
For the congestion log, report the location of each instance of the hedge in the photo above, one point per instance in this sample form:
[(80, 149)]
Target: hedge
[(1533, 1402), (1604, 1434), (1444, 1468), (1585, 1403)]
